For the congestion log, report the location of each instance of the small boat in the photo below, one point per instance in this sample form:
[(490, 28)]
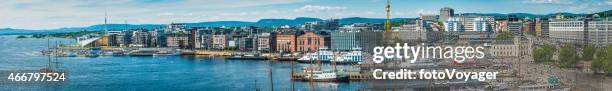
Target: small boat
[(119, 53), (46, 52), (247, 57), (167, 53), (70, 54), (141, 53), (349, 58)]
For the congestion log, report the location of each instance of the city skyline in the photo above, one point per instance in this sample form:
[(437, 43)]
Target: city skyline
[(48, 15)]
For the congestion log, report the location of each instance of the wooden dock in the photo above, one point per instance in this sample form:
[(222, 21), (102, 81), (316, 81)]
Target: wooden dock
[(218, 53)]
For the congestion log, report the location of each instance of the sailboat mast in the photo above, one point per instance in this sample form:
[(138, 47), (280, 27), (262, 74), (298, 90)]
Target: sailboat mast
[(334, 59), (311, 68), (48, 52), (318, 54), (56, 53), (270, 74)]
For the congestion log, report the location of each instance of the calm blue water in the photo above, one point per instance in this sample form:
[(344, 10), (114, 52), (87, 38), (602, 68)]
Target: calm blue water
[(149, 73)]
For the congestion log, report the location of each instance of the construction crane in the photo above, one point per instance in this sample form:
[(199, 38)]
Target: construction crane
[(388, 36), (388, 22)]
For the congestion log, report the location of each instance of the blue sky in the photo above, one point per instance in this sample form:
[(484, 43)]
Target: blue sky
[(49, 14)]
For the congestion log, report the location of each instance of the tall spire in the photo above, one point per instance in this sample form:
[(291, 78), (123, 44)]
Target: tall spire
[(125, 25), (388, 22), (105, 23)]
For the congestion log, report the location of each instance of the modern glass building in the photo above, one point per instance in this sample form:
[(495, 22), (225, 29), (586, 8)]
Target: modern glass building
[(344, 40)]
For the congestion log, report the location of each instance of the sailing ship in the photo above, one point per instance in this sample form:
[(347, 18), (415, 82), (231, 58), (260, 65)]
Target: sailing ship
[(314, 73), (52, 66)]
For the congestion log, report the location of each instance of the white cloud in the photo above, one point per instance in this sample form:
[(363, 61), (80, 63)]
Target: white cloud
[(590, 6), (166, 14), (578, 8), (370, 13), (427, 12), (316, 8), (548, 1)]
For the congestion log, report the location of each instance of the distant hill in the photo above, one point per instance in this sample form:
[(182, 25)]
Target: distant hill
[(282, 22), (500, 15), (260, 23), (607, 13), (10, 31), (264, 23), (217, 24), (352, 20)]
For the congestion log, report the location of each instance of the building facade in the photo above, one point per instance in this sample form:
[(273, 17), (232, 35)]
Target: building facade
[(470, 23), (368, 40), (482, 24), (446, 13), (220, 41), (140, 38), (345, 40), (285, 42), (529, 27), (568, 31), (266, 42), (309, 42), (247, 43), (515, 26), (541, 28), (505, 48), (194, 39), (206, 41), (600, 33), (178, 40)]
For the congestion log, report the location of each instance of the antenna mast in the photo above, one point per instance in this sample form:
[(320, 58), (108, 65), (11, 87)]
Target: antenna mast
[(105, 23)]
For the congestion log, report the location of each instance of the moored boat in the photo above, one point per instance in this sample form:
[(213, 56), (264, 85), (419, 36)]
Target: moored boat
[(141, 53), (317, 75), (326, 56), (167, 53), (323, 55)]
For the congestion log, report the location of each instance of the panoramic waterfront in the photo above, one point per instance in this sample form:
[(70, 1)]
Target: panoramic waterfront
[(150, 73), (306, 45)]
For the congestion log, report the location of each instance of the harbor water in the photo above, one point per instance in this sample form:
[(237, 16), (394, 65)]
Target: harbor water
[(119, 73)]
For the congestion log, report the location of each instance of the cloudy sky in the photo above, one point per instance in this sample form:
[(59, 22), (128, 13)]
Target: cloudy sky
[(49, 14)]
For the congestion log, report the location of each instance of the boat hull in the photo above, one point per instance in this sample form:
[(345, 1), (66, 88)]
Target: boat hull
[(338, 79), (344, 62)]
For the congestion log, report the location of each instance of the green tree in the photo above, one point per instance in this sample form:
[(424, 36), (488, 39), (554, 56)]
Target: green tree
[(599, 62), (568, 56), (539, 55), (588, 52), (399, 23), (543, 53), (504, 36), (607, 59)]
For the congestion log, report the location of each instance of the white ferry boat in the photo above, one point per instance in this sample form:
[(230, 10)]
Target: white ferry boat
[(326, 56), (349, 57), (323, 76), (167, 53), (323, 55)]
